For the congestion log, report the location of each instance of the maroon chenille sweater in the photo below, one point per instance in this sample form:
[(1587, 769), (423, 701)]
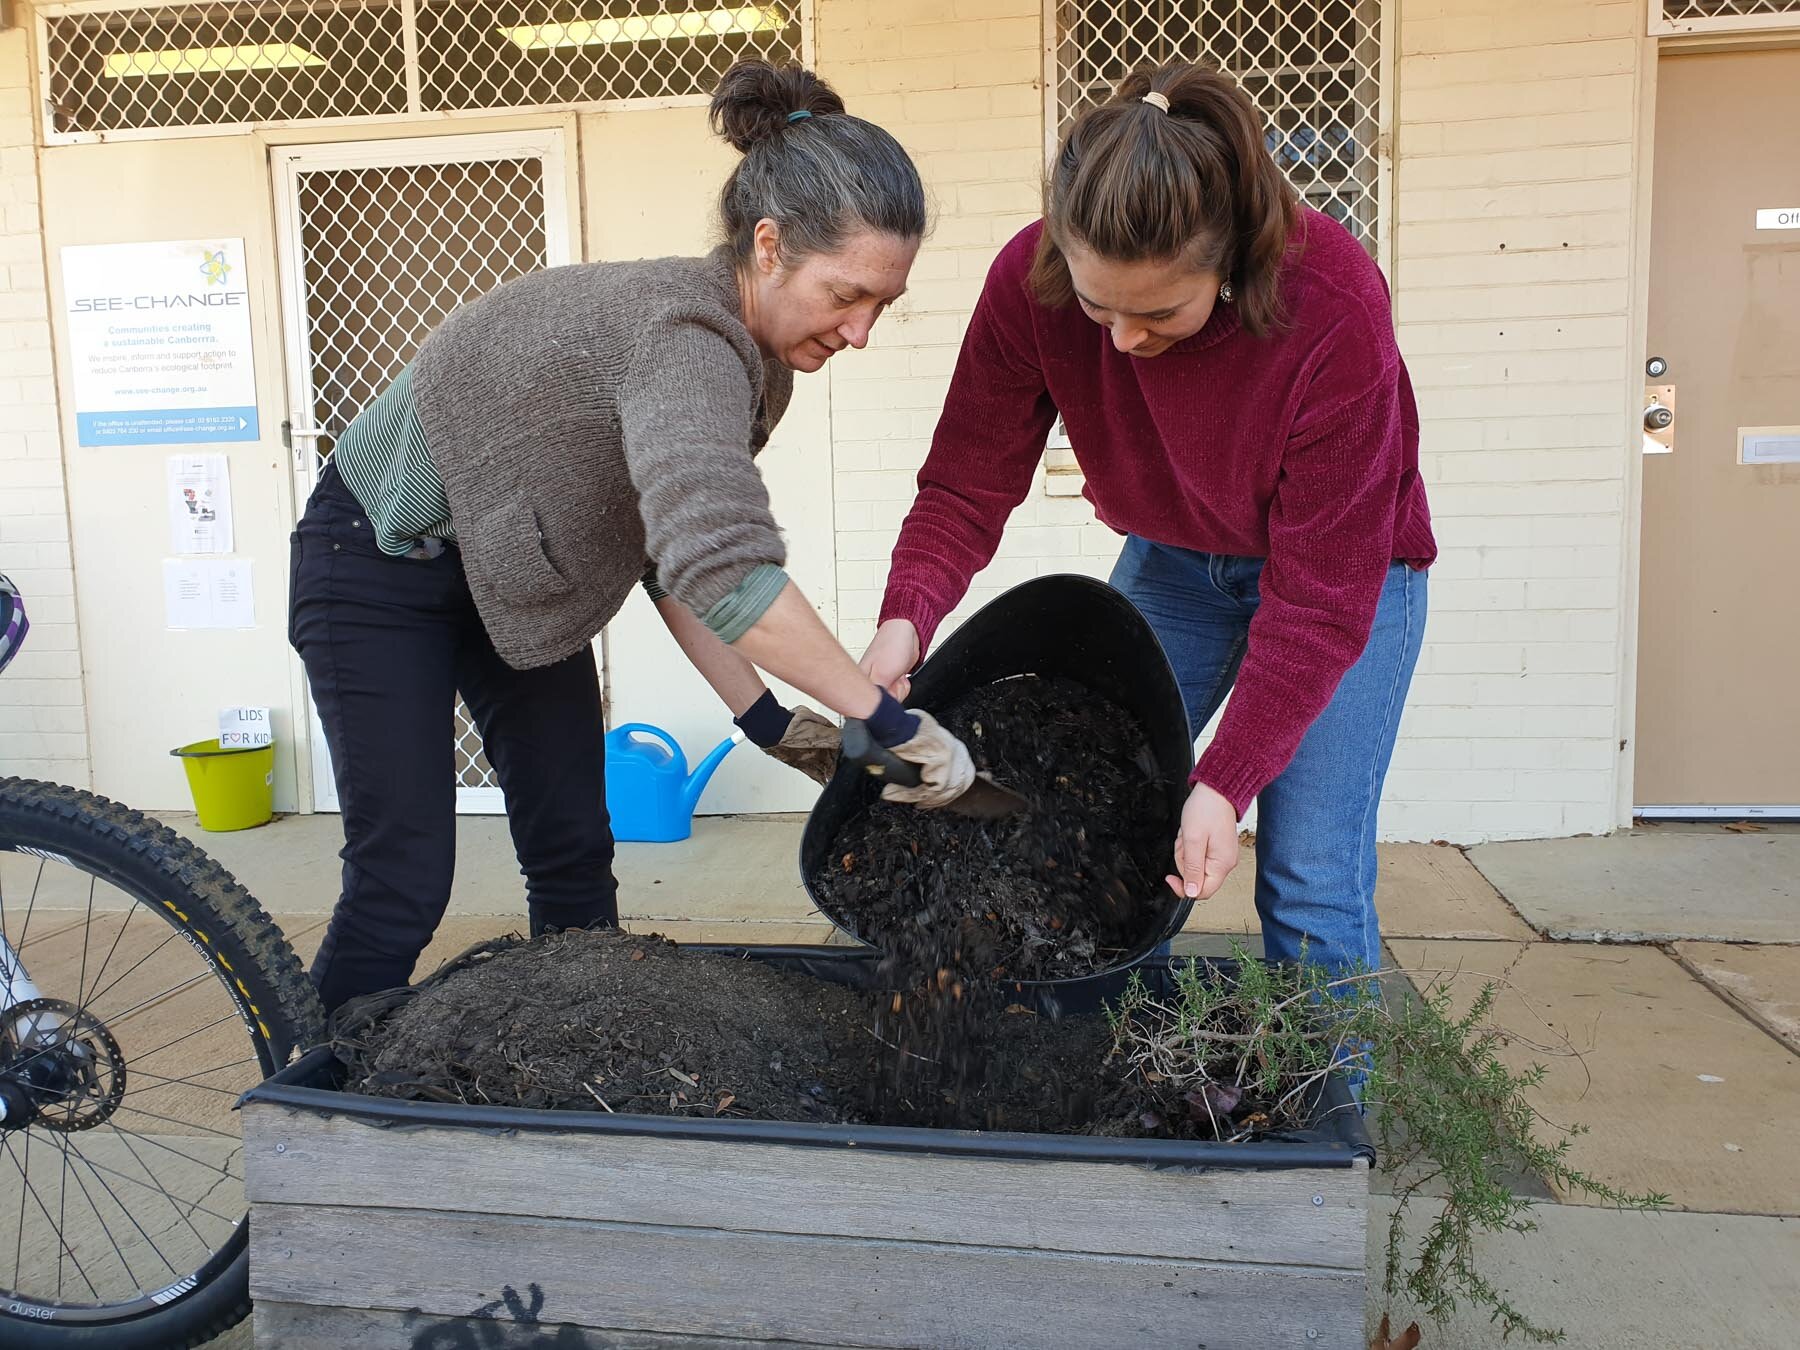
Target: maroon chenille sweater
[(1301, 448)]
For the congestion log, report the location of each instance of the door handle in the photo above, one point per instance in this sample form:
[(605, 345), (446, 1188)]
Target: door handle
[(301, 443), (291, 433), (1659, 416)]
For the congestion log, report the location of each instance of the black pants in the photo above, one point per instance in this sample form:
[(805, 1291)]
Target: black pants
[(388, 643)]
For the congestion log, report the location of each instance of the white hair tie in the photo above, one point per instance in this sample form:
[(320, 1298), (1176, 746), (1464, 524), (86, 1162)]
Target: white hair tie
[(1156, 100)]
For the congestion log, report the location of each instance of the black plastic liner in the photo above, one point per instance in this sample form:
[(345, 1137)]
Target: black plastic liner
[(1338, 1138), (1067, 625)]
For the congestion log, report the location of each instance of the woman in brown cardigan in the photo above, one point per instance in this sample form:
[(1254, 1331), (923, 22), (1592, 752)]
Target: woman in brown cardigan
[(554, 443)]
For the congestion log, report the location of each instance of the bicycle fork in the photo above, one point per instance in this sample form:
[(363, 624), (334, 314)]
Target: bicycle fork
[(16, 989)]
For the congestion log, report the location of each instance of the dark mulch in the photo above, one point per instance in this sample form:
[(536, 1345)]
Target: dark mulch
[(960, 908), (605, 1020), (1064, 888)]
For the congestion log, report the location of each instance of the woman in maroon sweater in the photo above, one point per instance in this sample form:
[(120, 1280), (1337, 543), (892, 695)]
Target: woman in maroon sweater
[(1224, 361)]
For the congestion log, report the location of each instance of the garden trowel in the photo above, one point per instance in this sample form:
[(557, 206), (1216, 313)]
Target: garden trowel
[(984, 798)]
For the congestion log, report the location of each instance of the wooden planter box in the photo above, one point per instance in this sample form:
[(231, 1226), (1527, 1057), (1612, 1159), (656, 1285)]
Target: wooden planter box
[(378, 1224)]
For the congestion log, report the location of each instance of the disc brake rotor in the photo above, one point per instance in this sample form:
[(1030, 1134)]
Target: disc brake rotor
[(66, 1059)]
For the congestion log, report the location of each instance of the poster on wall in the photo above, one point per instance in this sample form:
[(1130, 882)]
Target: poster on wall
[(199, 504), (159, 337)]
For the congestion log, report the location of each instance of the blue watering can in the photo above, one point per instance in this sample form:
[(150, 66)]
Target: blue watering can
[(650, 794)]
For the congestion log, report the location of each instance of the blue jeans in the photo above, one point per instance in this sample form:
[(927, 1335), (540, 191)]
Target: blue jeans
[(1315, 829)]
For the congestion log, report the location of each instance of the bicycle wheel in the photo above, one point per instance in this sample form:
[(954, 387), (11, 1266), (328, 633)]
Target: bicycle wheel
[(160, 991)]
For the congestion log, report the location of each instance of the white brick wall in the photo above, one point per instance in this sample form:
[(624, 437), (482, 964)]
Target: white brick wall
[(974, 124), (43, 723), (1516, 147)]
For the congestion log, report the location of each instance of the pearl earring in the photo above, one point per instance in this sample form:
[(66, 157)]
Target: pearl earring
[(1226, 293)]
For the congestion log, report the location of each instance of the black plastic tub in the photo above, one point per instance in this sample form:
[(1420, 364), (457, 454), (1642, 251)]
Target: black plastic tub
[(379, 1223), (1063, 625)]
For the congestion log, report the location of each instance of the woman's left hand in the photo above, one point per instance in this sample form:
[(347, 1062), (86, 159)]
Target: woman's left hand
[(1207, 848)]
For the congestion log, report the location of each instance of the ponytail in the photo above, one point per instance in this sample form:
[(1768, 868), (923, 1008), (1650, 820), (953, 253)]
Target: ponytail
[(1192, 181)]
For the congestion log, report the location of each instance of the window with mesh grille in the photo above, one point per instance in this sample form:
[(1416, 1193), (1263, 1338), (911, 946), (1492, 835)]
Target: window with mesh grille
[(523, 53), (1685, 11), (162, 67), (201, 65), (1313, 67)]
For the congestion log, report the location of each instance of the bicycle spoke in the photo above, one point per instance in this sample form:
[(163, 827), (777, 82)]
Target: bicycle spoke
[(68, 1146), (185, 1124), (31, 1190), (62, 1209), (166, 996), (21, 1243), (88, 928), (147, 1054), (98, 994), (31, 905), (118, 937), (184, 1208), (170, 1148), (105, 1227), (160, 1082)]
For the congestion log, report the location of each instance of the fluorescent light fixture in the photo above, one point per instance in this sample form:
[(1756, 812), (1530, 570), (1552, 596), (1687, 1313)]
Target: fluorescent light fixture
[(209, 60), (691, 23)]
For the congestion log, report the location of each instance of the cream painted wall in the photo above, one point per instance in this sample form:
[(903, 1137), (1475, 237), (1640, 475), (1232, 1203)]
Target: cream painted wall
[(648, 679), (148, 688)]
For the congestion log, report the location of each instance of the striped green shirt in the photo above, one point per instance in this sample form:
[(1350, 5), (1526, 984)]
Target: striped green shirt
[(383, 460)]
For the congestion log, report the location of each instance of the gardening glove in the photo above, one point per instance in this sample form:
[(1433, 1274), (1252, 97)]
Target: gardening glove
[(810, 745), (798, 737), (945, 768)]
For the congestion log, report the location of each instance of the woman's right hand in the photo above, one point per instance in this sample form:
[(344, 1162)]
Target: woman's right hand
[(892, 655), (945, 768)]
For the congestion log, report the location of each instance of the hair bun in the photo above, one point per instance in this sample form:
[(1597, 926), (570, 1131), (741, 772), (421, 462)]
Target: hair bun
[(755, 99)]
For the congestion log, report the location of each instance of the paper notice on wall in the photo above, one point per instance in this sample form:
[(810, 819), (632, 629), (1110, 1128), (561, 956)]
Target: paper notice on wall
[(210, 593), (199, 504)]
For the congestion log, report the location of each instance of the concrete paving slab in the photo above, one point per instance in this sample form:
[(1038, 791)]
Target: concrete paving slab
[(1622, 1281), (1703, 883), (1421, 890), (733, 867), (1679, 1092), (1761, 982), (1233, 909), (1434, 891)]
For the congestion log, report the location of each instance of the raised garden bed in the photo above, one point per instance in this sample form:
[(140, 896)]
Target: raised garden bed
[(385, 1223)]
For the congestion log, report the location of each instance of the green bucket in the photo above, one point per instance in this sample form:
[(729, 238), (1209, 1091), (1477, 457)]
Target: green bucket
[(234, 789)]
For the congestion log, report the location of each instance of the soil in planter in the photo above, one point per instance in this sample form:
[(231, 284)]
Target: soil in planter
[(1061, 889), (609, 1021)]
